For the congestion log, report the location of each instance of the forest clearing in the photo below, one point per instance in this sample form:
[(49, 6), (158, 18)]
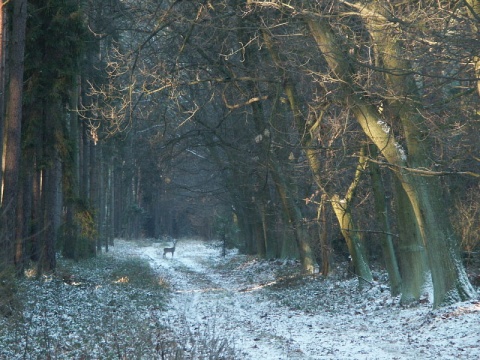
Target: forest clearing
[(233, 307)]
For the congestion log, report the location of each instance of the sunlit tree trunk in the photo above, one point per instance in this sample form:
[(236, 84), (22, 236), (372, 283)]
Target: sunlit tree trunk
[(425, 193), (13, 128), (353, 238), (3, 73), (448, 274), (340, 205)]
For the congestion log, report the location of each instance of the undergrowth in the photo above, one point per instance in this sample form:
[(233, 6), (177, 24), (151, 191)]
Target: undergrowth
[(97, 308), (100, 308)]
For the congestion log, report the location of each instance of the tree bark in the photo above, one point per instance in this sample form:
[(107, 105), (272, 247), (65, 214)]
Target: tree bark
[(448, 274), (71, 229), (412, 256), (13, 128), (325, 248), (295, 219), (353, 238), (50, 186), (382, 211), (340, 206), (3, 72)]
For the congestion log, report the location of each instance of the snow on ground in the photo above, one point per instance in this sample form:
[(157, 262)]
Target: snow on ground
[(265, 312)]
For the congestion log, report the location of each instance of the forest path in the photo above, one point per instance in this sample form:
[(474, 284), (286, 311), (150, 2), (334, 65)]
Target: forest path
[(218, 304), (228, 299)]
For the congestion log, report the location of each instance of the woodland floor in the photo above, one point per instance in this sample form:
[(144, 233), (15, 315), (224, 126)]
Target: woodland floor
[(205, 306), (266, 311)]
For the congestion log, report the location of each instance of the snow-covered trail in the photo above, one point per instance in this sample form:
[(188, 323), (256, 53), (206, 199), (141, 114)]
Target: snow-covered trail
[(207, 303), (233, 305)]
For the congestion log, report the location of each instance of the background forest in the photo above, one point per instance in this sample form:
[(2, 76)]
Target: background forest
[(311, 129)]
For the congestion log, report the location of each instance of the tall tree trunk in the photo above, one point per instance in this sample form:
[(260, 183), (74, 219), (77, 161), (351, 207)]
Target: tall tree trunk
[(340, 206), (109, 208), (13, 128), (84, 163), (325, 248), (3, 73), (448, 274), (382, 211), (295, 219), (262, 149), (24, 211), (37, 221), (50, 185), (100, 201), (71, 229), (412, 256), (428, 200), (353, 238)]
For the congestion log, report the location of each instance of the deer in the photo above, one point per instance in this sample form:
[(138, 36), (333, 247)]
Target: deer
[(169, 249)]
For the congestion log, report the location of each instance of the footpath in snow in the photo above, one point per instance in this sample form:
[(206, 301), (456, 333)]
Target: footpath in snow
[(264, 316)]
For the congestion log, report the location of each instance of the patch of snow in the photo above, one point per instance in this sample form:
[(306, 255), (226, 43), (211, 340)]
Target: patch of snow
[(244, 301), (401, 151), (384, 125), (263, 309)]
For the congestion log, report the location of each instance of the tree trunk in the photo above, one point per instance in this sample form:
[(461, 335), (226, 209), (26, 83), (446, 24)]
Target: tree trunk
[(37, 221), (325, 248), (295, 219), (382, 212), (448, 274), (428, 200), (412, 257), (3, 72), (24, 211), (71, 229), (100, 201), (353, 238), (50, 185), (13, 128), (109, 205), (340, 206), (94, 164), (262, 149)]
